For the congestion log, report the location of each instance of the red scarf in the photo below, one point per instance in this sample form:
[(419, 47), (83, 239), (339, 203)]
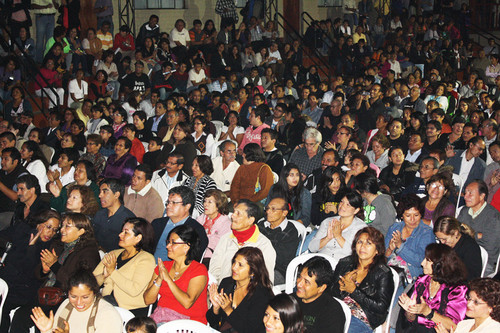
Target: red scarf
[(243, 236)]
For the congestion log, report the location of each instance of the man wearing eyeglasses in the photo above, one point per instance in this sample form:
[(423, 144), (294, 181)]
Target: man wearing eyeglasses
[(467, 164), (428, 168), (282, 234), (170, 176), (180, 206)]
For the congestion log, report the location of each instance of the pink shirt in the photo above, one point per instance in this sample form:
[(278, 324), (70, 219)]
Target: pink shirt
[(252, 135)]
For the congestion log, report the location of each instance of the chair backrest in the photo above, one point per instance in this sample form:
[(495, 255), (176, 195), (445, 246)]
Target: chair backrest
[(484, 259), (496, 267), (291, 270), (126, 315), (459, 182), (386, 329), (218, 129), (302, 230), (185, 326), (347, 314), (4, 290)]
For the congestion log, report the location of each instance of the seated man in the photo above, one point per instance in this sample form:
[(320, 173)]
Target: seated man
[(225, 166), (108, 221), (11, 171), (180, 205), (169, 177), (484, 219), (321, 312), (492, 172), (141, 198), (282, 234), (467, 164), (309, 156), (274, 157), (428, 168), (244, 233)]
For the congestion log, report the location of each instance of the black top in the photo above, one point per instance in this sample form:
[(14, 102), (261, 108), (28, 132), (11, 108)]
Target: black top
[(107, 229), (247, 317), (324, 314), (9, 180), (470, 253)]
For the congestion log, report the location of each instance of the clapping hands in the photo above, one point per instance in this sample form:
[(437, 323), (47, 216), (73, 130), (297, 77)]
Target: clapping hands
[(48, 259), (109, 262), (220, 300)]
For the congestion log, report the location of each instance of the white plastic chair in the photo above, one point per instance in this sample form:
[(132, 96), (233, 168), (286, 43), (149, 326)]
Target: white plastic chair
[(4, 290), (126, 315), (291, 270), (218, 129), (386, 329), (302, 230), (459, 182), (496, 268), (185, 326), (484, 260), (347, 314)]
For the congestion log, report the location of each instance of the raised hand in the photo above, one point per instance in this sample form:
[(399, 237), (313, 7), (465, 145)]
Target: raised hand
[(34, 238), (226, 302), (405, 302), (48, 258), (109, 262), (60, 330), (162, 270), (41, 321)]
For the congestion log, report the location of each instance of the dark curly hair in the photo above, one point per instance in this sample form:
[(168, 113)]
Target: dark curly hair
[(488, 290), (409, 201), (447, 267)]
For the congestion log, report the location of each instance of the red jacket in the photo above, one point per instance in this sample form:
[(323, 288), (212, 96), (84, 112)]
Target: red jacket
[(137, 150), (119, 42)]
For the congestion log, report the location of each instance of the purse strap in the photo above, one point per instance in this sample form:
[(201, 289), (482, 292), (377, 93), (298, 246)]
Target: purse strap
[(68, 309)]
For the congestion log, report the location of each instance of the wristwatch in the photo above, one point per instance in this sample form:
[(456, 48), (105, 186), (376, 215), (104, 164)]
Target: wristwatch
[(430, 315)]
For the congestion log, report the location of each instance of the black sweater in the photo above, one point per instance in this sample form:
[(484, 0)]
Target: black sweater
[(247, 317), (324, 314)]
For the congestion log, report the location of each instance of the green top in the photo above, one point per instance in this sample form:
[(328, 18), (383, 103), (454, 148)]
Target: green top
[(52, 41)]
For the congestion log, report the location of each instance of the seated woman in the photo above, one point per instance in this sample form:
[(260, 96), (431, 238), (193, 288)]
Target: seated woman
[(439, 296), (379, 155), (35, 163), (200, 182), (365, 281), (181, 141), (359, 163), (214, 220), (180, 283), (325, 200), (203, 139), (98, 88), (483, 308), (27, 242), (254, 178), (436, 201), (335, 235), (232, 129), (84, 176), (121, 164), (290, 186), (399, 174), (379, 209), (406, 240), (449, 231), (123, 272), (81, 199), (240, 301), (17, 105), (91, 311), (93, 155), (77, 249), (49, 76), (283, 315)]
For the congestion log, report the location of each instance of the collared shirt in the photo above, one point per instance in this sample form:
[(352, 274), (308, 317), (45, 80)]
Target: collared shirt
[(282, 225), (479, 211), (161, 248), (466, 166), (156, 122), (142, 192), (413, 157), (171, 180), (223, 177)]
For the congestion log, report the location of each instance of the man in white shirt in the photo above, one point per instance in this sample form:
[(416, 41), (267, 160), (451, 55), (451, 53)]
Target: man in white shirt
[(149, 105), (179, 39), (225, 166), (276, 63), (197, 76), (468, 164), (169, 177)]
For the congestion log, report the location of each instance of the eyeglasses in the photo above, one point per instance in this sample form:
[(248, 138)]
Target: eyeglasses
[(439, 186), (67, 226), (272, 209), (173, 202), (474, 301), (174, 243), (172, 163)]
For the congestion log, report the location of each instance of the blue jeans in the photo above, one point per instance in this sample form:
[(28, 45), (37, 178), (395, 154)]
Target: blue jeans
[(357, 326), (44, 30)]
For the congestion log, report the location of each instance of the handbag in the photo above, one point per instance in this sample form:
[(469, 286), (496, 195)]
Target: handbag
[(51, 296)]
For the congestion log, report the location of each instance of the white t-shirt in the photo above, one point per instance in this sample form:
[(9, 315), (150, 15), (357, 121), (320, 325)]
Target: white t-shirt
[(276, 54), (67, 178), (237, 130), (196, 77), (179, 36), (79, 92)]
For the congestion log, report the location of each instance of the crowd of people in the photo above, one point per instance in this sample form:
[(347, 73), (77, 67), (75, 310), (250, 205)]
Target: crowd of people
[(178, 170)]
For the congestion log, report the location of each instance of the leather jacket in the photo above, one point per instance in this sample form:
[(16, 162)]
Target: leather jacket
[(373, 294)]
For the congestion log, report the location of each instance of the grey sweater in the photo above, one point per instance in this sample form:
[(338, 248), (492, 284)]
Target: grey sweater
[(486, 223), (384, 214)]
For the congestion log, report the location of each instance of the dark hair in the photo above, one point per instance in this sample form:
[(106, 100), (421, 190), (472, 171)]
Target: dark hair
[(377, 238), (252, 210), (205, 164), (365, 183), (289, 311), (115, 185), (281, 189), (144, 323), (146, 169), (29, 181), (186, 194), (46, 215), (85, 277), (481, 187), (226, 120), (90, 206), (140, 114), (144, 228), (221, 200), (188, 235), (409, 201), (320, 268), (8, 135), (186, 128), (32, 146), (126, 142), (253, 152), (488, 290), (81, 221), (89, 168), (15, 155), (261, 111), (258, 272), (272, 133), (444, 179), (326, 181), (447, 267), (356, 201), (72, 154)]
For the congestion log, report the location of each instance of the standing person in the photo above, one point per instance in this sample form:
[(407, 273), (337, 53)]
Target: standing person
[(103, 9), (227, 11), (44, 11)]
